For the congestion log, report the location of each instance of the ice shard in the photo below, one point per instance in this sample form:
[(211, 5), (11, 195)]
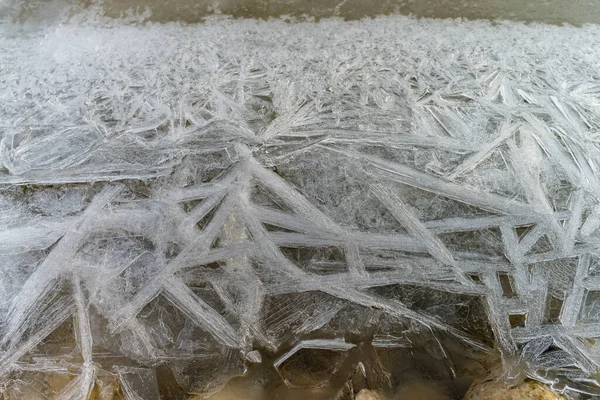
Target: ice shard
[(341, 202)]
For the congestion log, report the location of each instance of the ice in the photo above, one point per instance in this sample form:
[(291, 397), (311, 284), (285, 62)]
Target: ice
[(329, 352), (183, 204), (138, 383)]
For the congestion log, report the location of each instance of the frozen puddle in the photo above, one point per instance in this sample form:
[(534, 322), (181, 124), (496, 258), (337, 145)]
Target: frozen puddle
[(326, 207)]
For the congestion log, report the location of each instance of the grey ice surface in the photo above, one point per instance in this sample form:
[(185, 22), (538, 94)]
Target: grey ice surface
[(193, 196)]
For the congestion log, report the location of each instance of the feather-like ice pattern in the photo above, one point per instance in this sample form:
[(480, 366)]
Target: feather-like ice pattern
[(180, 201)]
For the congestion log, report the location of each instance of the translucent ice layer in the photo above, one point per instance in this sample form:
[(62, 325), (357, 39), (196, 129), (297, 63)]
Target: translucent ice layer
[(180, 202)]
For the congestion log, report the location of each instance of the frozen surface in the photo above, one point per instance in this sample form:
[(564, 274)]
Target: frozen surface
[(180, 202)]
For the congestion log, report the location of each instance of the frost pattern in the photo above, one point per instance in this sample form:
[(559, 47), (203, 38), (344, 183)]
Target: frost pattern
[(192, 196)]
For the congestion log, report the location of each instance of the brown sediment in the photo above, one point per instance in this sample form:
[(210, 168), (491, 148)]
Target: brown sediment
[(367, 394), (499, 390)]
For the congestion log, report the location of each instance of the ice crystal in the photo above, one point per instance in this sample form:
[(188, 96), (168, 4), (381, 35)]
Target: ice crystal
[(197, 197)]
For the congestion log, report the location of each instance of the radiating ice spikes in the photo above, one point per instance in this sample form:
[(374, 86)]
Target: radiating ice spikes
[(175, 196)]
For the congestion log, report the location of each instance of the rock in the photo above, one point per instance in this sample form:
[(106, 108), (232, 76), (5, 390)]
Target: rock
[(367, 394), (498, 390)]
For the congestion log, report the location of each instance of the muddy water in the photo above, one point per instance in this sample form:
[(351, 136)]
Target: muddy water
[(192, 11), (392, 374), (550, 11)]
